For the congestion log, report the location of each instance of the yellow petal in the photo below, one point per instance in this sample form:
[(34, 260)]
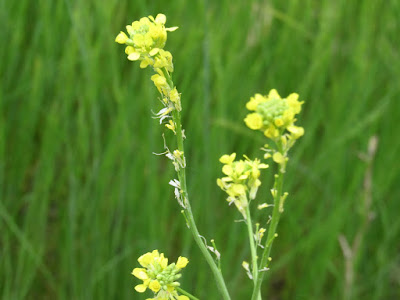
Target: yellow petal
[(154, 51), (174, 96), (140, 288), (227, 170), (140, 273), (161, 18), (172, 28), (159, 80), (238, 189), (254, 101), (145, 259), (254, 121), (182, 262), (278, 122), (240, 167), (273, 94), (271, 132), (278, 157), (134, 56), (144, 64), (296, 131), (121, 38), (129, 29), (227, 159), (129, 50), (293, 97), (155, 286), (164, 261)]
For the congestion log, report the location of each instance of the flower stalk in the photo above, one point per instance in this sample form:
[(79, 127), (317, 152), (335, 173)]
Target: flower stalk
[(253, 249), (276, 214), (176, 116), (275, 117)]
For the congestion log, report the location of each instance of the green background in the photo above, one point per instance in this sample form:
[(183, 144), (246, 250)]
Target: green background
[(82, 195)]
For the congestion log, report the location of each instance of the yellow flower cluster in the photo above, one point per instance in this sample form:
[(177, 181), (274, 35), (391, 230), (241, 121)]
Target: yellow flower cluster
[(158, 276), (273, 114), (241, 181), (145, 42)]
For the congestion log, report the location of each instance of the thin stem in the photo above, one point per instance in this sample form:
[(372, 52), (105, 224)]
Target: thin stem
[(182, 291), (253, 246), (253, 249), (278, 187), (176, 115)]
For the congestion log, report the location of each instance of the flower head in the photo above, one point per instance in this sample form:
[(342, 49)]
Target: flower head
[(145, 42), (273, 114), (241, 181), (159, 276)]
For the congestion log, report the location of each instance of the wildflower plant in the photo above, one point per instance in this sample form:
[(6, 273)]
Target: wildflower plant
[(274, 116)]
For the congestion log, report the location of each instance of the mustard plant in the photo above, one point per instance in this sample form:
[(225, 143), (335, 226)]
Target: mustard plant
[(145, 43), (271, 114)]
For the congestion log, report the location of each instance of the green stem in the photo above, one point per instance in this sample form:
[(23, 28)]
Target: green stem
[(253, 246), (253, 249), (176, 115), (276, 214), (182, 291)]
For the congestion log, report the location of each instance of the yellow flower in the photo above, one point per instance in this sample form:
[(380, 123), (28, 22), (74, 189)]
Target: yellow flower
[(158, 276), (241, 181), (274, 115), (147, 37)]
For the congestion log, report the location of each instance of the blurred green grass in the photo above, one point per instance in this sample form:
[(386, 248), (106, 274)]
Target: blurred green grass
[(82, 195)]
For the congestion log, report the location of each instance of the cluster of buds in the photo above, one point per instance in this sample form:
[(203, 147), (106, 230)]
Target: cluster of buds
[(273, 115), (241, 182), (158, 276)]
